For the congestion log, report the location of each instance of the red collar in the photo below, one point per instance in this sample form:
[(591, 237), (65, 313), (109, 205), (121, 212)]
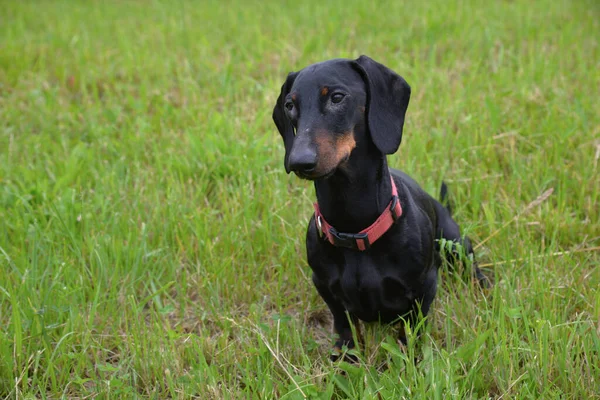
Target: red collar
[(364, 239)]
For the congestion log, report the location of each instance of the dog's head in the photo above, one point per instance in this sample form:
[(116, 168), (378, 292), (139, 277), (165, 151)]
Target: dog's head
[(320, 106)]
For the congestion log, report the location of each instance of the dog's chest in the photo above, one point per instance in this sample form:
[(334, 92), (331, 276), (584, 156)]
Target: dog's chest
[(372, 288)]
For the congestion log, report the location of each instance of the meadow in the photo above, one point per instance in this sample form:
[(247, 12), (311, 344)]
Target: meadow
[(152, 245)]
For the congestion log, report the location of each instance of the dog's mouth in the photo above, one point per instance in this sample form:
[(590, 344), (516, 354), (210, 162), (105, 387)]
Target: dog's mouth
[(318, 174), (315, 177)]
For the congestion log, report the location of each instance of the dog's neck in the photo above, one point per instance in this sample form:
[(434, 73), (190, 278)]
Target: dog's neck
[(358, 192)]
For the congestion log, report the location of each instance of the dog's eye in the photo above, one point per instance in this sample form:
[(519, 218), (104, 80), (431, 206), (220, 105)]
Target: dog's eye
[(289, 106), (337, 97)]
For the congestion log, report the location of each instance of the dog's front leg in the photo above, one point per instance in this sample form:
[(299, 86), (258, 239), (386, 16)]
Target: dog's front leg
[(342, 320)]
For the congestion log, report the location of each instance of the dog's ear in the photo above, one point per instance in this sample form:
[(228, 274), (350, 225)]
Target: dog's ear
[(387, 100), (286, 129)]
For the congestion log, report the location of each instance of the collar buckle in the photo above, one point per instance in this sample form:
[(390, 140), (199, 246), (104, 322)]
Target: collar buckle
[(354, 241)]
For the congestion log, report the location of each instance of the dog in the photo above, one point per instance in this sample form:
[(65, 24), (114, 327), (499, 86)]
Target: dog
[(373, 242)]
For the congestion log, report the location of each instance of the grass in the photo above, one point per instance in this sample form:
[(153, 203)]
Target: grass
[(152, 246)]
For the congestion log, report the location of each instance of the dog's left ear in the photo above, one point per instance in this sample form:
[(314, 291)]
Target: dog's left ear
[(283, 123), (387, 100)]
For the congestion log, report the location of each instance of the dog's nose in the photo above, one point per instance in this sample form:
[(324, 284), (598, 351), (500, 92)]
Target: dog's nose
[(304, 161)]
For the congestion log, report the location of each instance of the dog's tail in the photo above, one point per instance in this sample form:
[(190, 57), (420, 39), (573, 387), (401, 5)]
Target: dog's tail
[(444, 199)]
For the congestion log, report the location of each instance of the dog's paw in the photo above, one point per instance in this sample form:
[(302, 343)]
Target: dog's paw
[(344, 353), (484, 281)]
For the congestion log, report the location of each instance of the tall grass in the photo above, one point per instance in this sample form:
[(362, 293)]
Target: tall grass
[(151, 244)]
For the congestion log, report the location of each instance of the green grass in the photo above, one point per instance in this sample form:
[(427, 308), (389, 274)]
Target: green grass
[(151, 244)]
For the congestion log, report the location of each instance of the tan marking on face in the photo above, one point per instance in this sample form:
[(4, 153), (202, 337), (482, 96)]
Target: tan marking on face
[(324, 91), (344, 145), (333, 149), (294, 96)]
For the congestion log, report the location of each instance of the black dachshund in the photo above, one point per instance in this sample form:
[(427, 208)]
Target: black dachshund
[(373, 241)]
